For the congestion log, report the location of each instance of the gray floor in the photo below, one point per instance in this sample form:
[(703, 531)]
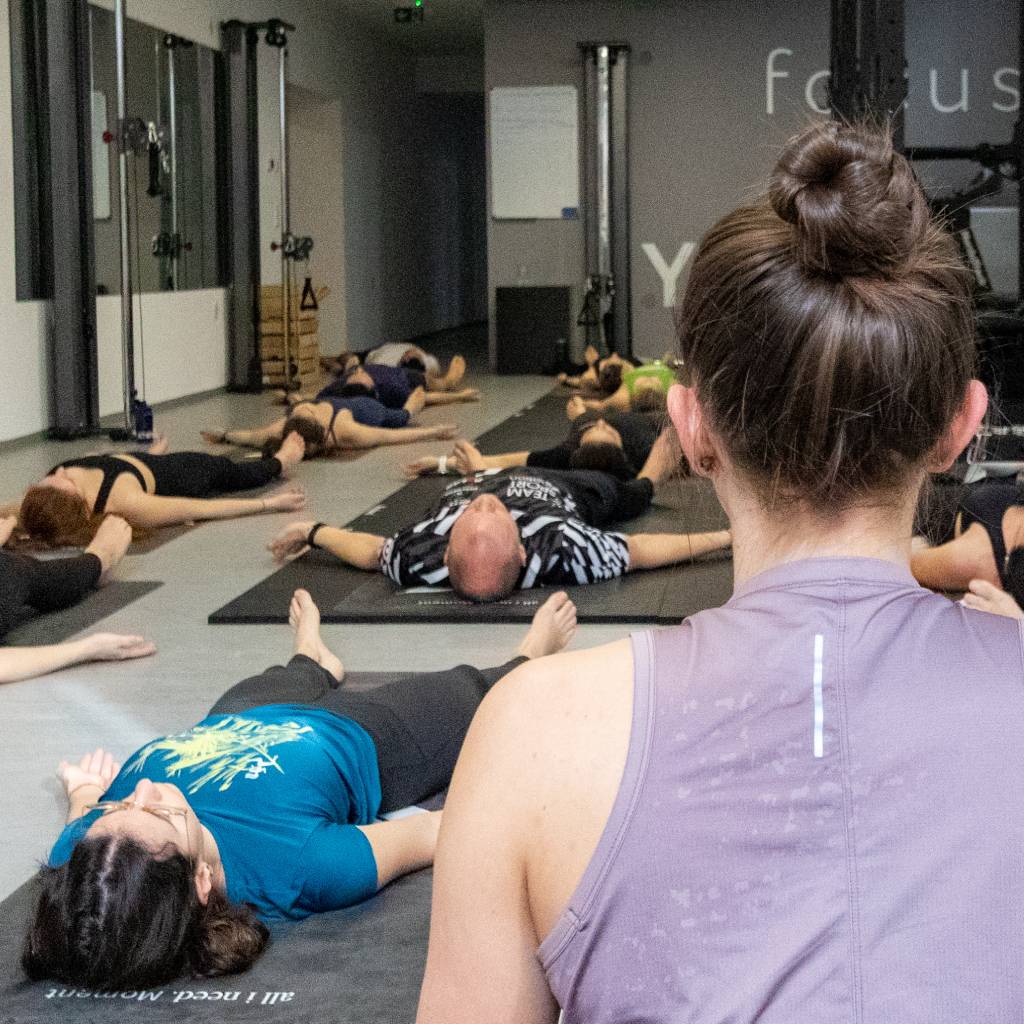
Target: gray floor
[(121, 706)]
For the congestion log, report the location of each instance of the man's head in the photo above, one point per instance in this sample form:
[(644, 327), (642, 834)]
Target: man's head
[(485, 555)]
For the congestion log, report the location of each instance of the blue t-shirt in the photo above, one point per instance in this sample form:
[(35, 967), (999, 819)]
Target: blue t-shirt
[(365, 410), (281, 788)]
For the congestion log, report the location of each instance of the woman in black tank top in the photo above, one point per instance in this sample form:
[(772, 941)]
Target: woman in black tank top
[(65, 508), (979, 548)]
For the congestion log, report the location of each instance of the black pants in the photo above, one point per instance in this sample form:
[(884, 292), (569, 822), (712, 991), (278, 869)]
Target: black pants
[(199, 475), (417, 724), (604, 499), (43, 585)]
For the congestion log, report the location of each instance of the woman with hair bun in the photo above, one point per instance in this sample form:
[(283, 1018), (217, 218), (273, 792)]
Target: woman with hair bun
[(803, 805)]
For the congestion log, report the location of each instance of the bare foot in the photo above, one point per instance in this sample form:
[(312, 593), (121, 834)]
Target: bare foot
[(415, 402), (160, 445), (291, 452), (304, 618), (456, 371), (553, 626)]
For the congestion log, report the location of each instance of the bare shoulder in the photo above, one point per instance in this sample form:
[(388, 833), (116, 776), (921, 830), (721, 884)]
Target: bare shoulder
[(577, 684), (554, 721)]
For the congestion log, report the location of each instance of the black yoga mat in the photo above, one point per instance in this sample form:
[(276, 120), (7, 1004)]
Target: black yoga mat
[(349, 595), (55, 627), (362, 965)]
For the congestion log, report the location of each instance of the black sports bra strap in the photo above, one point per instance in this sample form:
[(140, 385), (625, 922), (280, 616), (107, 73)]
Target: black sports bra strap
[(112, 468), (109, 478)]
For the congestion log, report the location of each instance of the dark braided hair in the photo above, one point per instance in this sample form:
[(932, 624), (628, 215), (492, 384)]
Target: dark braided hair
[(117, 916)]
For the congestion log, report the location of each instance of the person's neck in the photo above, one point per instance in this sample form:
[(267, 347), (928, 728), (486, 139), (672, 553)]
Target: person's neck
[(761, 540)]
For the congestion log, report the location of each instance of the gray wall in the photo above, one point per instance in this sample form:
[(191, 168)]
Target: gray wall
[(707, 120)]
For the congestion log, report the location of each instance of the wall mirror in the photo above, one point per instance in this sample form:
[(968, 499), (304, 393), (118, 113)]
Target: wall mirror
[(172, 87)]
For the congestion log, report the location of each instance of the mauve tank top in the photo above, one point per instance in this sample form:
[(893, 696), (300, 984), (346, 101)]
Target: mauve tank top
[(821, 816)]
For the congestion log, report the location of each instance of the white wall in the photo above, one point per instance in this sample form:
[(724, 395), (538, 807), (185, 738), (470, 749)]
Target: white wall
[(185, 332), (317, 209)]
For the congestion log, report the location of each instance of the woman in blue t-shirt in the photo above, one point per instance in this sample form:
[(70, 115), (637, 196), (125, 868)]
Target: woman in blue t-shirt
[(265, 809)]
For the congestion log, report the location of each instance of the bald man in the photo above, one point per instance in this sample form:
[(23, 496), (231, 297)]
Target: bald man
[(496, 531)]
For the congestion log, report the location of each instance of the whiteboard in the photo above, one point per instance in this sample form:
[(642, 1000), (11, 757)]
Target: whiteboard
[(535, 152)]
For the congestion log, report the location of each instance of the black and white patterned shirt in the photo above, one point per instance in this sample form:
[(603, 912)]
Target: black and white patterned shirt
[(561, 548)]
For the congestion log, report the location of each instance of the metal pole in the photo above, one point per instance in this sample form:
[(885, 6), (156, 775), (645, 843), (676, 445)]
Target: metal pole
[(172, 104), (127, 315), (604, 216), (286, 268)]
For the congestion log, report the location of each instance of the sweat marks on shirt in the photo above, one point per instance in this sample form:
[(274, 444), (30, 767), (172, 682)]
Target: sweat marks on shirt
[(232, 747)]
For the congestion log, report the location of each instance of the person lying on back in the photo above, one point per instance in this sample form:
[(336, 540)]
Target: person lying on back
[(500, 530)]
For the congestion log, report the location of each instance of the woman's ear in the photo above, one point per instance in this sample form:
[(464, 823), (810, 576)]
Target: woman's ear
[(962, 428), (688, 419), (204, 882)]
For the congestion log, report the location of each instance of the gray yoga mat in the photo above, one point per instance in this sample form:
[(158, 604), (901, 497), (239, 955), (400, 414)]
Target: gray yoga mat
[(361, 965)]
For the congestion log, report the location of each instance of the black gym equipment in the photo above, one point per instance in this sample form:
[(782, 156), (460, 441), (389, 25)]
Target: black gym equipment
[(606, 315), (868, 64)]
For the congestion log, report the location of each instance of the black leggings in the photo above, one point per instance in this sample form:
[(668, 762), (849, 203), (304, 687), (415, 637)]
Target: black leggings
[(199, 475), (604, 499), (43, 585), (417, 724)]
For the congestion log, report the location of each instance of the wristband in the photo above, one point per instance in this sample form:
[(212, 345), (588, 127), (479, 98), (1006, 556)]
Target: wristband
[(311, 536), (442, 464)]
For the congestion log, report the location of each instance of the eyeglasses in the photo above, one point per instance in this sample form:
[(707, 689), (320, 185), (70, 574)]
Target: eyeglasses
[(161, 811)]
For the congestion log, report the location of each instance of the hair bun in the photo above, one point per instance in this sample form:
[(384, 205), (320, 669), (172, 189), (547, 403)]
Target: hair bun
[(853, 200)]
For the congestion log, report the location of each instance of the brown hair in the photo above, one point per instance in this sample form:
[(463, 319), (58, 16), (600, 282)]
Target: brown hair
[(827, 328), (56, 519), (312, 433), (118, 916)]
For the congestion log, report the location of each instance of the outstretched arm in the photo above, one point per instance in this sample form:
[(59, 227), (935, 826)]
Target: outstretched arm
[(253, 438), (654, 550), (352, 435), (361, 550), (403, 845), (451, 397), (28, 662), (153, 510), (665, 458), (952, 566)]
